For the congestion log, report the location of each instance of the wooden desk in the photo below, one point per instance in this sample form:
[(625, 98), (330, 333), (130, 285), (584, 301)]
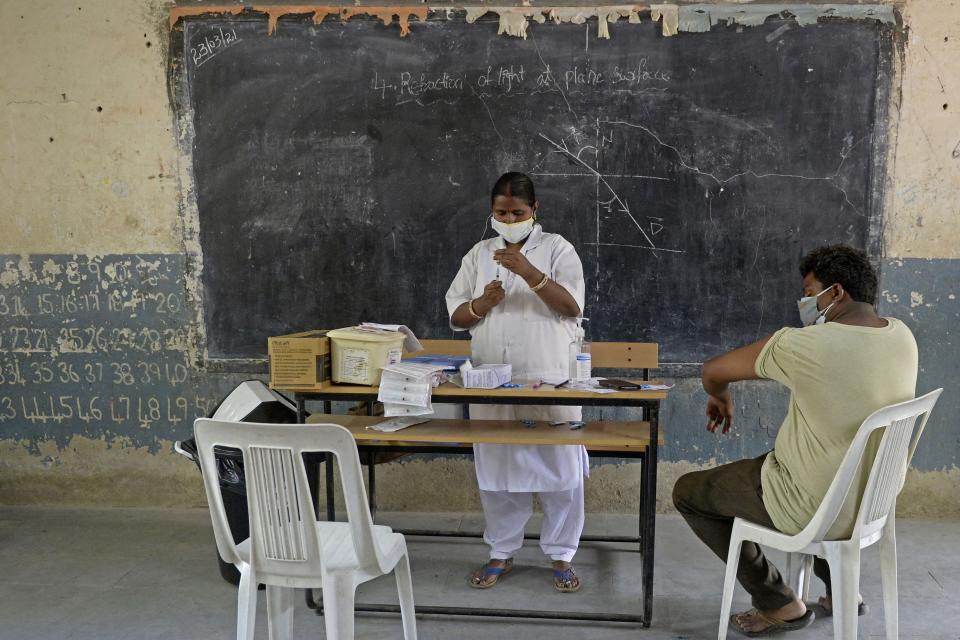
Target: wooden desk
[(546, 394), (635, 439)]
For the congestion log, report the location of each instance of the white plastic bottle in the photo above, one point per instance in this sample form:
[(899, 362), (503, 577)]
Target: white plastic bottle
[(580, 359)]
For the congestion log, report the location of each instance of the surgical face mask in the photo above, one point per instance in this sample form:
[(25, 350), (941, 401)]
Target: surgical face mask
[(809, 314), (515, 232)]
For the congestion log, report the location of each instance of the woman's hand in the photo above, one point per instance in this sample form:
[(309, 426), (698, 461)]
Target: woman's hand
[(513, 260), (493, 294)]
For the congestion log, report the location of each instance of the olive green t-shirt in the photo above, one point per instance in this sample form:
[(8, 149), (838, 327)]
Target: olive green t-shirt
[(838, 374)]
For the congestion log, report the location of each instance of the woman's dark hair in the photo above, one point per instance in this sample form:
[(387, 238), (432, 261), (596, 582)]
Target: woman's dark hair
[(844, 265), (516, 185)]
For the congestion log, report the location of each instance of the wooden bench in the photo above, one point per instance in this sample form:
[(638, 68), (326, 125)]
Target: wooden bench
[(605, 355)]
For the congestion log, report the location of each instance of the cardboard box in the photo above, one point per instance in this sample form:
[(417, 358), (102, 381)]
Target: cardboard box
[(300, 361)]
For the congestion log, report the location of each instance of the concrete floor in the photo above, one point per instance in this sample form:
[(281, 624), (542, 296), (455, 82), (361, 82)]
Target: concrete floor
[(130, 573)]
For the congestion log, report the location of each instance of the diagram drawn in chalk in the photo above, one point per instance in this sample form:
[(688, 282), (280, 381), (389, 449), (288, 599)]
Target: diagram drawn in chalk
[(610, 203)]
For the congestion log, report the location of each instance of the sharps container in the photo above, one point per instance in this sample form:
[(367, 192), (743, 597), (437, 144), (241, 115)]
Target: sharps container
[(359, 354)]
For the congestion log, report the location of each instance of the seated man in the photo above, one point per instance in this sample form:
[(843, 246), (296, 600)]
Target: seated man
[(845, 363)]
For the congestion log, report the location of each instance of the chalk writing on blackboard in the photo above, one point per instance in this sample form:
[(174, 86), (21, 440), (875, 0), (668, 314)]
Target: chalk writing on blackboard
[(213, 43), (99, 341), (517, 80), (609, 200), (142, 411)]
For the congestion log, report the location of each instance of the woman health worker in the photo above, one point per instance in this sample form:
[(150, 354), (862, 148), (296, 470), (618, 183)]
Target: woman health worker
[(519, 295)]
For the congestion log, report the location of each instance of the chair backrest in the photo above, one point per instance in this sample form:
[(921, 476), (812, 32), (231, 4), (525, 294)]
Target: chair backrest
[(625, 355), (605, 355), (283, 529), (887, 473), (444, 347)]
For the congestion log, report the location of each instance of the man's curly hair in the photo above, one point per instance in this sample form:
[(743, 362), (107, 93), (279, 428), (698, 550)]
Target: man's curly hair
[(844, 265)]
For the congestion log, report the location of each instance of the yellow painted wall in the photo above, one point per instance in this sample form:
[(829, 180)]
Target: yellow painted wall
[(923, 207), (75, 179)]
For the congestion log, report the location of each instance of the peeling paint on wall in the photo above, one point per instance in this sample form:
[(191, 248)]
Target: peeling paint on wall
[(923, 294), (319, 12), (177, 13), (676, 18), (386, 14), (514, 20), (670, 14), (702, 17), (275, 12)]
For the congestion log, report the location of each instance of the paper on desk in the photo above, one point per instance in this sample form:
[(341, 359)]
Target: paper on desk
[(410, 342), (396, 424)]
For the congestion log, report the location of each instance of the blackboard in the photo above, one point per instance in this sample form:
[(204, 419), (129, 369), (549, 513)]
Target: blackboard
[(340, 172)]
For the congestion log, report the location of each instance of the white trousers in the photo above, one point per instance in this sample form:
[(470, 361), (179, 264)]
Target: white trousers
[(507, 512)]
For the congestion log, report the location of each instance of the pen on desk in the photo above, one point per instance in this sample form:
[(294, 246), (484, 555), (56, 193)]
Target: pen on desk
[(557, 386)]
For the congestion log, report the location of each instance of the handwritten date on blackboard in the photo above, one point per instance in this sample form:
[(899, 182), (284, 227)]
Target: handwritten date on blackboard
[(212, 44)]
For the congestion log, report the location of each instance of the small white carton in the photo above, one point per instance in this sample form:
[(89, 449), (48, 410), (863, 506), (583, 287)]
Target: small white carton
[(485, 376)]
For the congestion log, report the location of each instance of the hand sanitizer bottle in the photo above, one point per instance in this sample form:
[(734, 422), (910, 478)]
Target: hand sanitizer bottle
[(580, 361)]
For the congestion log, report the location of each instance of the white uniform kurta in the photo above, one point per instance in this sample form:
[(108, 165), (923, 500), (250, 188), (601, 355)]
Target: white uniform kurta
[(524, 332)]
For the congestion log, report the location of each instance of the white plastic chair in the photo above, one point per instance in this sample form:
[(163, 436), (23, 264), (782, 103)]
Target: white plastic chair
[(288, 548), (874, 522)]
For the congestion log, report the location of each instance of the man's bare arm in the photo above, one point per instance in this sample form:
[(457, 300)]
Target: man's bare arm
[(717, 375)]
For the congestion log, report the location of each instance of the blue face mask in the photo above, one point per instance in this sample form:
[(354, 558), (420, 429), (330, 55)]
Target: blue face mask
[(809, 313)]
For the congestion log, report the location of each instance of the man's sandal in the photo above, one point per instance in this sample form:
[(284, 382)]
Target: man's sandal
[(566, 581), (775, 625), (822, 611), (479, 579)]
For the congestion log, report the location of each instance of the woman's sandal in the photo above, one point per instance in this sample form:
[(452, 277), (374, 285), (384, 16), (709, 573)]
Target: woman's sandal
[(775, 625), (478, 579), (566, 581)]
